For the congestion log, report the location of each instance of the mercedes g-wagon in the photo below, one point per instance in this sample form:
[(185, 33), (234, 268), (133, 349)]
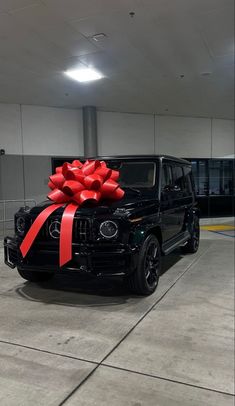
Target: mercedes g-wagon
[(157, 214)]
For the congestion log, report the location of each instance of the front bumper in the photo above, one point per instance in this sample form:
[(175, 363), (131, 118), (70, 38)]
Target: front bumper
[(99, 258)]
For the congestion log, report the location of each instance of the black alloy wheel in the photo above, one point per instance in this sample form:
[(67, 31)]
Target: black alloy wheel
[(145, 279)]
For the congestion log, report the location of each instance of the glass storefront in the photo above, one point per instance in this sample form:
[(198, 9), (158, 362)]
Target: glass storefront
[(214, 182)]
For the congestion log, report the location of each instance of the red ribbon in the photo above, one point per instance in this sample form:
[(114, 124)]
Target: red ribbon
[(73, 185)]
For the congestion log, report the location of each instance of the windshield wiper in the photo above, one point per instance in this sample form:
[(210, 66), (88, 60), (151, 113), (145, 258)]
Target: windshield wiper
[(132, 189)]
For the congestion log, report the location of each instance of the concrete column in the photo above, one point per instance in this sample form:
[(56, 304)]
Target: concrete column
[(90, 131)]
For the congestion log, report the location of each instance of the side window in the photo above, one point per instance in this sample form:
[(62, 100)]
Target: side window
[(188, 179), (166, 176), (178, 176)]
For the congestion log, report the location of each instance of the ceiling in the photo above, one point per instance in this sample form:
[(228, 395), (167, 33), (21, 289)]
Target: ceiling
[(173, 57)]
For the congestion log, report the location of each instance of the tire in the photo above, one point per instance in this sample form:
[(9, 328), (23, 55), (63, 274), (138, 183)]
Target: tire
[(193, 243), (145, 278), (35, 276)]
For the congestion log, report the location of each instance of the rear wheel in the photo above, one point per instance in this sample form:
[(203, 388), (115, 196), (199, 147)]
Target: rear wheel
[(35, 276), (193, 243), (144, 280)]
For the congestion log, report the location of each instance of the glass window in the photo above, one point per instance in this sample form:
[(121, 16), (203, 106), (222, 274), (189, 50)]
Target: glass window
[(227, 178), (166, 176), (195, 175), (221, 177), (215, 185), (202, 178), (215, 177), (188, 179), (137, 174), (178, 176)]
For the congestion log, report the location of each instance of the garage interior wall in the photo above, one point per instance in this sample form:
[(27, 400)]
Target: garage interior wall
[(130, 134), (31, 135)]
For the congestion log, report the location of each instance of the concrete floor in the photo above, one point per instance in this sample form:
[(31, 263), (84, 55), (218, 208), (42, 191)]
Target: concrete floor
[(90, 343)]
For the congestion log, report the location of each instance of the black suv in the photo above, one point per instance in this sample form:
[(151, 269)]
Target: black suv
[(157, 214)]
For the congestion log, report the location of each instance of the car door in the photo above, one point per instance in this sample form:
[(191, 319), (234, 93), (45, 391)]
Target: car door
[(179, 202), (169, 215)]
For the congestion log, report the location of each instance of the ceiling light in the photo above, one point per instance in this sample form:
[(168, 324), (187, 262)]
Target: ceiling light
[(84, 74)]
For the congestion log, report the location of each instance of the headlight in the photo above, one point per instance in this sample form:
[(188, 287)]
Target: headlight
[(108, 229), (20, 225)]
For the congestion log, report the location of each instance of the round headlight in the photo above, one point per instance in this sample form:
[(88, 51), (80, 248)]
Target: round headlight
[(20, 225), (108, 229)]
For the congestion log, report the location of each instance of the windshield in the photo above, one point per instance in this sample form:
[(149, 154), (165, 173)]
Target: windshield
[(135, 174)]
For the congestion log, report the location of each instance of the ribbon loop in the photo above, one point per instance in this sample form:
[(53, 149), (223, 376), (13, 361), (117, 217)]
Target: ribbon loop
[(75, 174), (93, 181), (89, 167), (57, 179), (71, 187)]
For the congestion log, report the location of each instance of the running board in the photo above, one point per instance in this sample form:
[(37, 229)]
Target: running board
[(171, 245)]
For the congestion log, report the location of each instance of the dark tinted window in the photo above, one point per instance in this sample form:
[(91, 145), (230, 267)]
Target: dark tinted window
[(178, 176), (137, 174), (220, 177), (188, 179), (214, 186), (215, 177), (200, 174), (166, 176)]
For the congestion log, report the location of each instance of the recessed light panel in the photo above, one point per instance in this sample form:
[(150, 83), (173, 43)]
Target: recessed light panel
[(84, 74)]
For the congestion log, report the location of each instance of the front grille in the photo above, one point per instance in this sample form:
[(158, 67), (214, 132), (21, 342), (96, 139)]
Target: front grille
[(81, 230)]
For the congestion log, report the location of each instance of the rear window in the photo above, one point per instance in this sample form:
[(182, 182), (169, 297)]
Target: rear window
[(178, 175), (188, 179)]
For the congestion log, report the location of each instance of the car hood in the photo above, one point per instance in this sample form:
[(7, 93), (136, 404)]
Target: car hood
[(124, 207)]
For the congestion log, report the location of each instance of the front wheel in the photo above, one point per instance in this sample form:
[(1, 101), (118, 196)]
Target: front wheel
[(35, 276), (144, 280), (193, 243)]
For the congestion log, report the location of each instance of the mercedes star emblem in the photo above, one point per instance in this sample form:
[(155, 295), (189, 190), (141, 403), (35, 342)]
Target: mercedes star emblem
[(54, 229)]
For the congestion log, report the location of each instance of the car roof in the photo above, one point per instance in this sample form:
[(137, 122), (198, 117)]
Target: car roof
[(143, 157)]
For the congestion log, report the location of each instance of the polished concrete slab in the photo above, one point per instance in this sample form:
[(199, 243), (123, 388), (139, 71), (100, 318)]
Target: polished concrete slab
[(175, 342), (29, 377), (75, 317), (188, 336), (109, 386)]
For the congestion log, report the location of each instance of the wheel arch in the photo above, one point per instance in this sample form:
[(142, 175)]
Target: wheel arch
[(141, 233), (157, 232)]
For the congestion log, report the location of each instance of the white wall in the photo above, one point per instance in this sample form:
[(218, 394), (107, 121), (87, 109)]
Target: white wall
[(223, 138), (130, 134), (183, 136), (47, 131), (10, 132), (52, 131), (30, 135), (123, 133), (35, 130)]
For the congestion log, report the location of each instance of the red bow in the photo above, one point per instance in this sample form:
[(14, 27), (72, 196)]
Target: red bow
[(74, 184)]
